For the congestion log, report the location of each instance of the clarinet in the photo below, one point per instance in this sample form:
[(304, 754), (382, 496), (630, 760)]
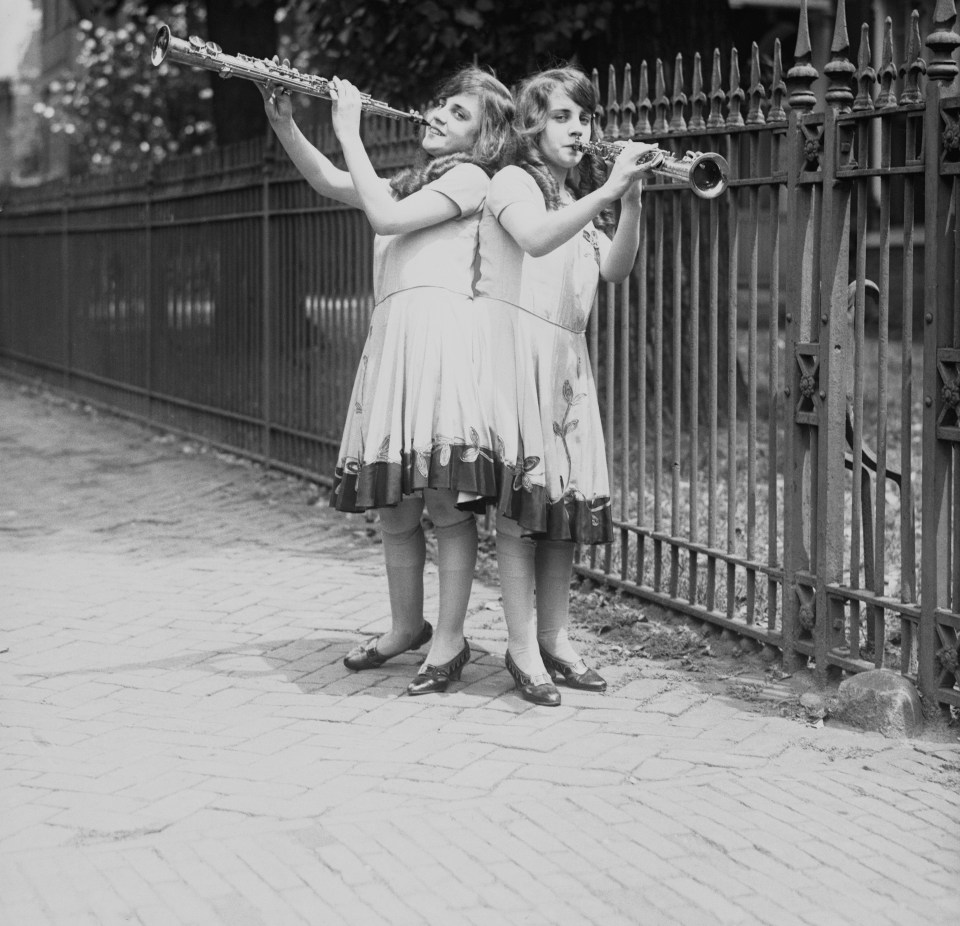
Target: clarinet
[(209, 55)]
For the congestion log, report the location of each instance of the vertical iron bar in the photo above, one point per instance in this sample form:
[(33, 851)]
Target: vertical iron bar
[(658, 391), (713, 400), (66, 314), (834, 265), (693, 326), (733, 292), (624, 438), (610, 376), (908, 553), (266, 308), (777, 201), (677, 308), (753, 261), (641, 399), (883, 325), (855, 360)]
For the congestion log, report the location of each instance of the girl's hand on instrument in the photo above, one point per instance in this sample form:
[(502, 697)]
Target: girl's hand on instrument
[(625, 170), (346, 101), (276, 99)]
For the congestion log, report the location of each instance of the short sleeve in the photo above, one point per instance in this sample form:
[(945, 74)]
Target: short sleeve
[(512, 185), (465, 185)]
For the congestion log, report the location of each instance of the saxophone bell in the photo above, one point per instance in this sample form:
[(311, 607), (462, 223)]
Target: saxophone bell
[(705, 172)]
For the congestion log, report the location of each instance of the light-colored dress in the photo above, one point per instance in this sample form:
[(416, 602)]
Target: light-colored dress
[(416, 417), (547, 417)]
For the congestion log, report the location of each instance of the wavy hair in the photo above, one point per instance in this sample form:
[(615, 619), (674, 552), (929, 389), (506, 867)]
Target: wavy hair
[(496, 141), (533, 112)]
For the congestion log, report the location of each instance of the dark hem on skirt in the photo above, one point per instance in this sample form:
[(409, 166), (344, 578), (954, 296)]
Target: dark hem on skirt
[(569, 518), (384, 484)]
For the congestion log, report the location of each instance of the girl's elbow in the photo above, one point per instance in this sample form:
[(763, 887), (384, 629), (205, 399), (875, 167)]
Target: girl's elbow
[(386, 227), (615, 275), (535, 248)]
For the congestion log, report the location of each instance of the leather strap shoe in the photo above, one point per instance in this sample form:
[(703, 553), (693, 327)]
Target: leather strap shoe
[(432, 679), (367, 656), (575, 674)]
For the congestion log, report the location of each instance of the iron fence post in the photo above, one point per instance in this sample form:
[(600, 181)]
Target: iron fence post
[(834, 278), (800, 409), (940, 295)]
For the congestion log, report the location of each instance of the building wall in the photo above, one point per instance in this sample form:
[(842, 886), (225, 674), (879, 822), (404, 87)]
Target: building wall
[(58, 51)]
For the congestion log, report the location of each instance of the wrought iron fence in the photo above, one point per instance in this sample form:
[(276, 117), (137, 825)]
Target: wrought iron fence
[(781, 469)]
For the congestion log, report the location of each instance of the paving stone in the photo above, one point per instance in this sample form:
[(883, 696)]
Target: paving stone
[(181, 743)]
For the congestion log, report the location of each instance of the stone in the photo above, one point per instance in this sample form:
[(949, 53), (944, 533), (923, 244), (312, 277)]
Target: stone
[(769, 653), (881, 700), (814, 705)]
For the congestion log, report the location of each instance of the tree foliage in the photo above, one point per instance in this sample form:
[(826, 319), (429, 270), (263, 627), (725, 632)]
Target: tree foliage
[(121, 112), (400, 48)]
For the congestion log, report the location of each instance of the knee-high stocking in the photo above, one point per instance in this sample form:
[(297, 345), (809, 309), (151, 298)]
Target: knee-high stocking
[(456, 562), (554, 568), (404, 550), (515, 564)]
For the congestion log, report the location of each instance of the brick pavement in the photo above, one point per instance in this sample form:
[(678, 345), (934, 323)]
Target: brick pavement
[(181, 745)]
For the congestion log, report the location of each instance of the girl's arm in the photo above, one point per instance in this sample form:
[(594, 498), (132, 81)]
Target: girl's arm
[(316, 168), (619, 260), (539, 231), (387, 215)]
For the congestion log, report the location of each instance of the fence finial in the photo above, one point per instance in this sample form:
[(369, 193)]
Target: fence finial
[(677, 121), (943, 41), (839, 69), (598, 109), (661, 101), (717, 96), (866, 75), (628, 108), (888, 70), (643, 102), (612, 129), (698, 99), (914, 65), (801, 77), (736, 95), (757, 93), (777, 87)]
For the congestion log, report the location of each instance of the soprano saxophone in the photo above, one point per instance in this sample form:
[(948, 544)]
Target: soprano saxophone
[(200, 54), (705, 173)]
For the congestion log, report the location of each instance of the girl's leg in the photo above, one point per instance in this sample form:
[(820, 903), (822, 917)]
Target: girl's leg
[(515, 563), (404, 550), (457, 560), (554, 569)]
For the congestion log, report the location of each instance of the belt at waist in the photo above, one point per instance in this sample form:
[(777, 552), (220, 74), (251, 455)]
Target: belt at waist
[(408, 289), (535, 314)]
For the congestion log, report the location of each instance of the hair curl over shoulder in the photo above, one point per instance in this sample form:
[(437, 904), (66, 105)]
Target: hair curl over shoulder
[(533, 111), (496, 141)]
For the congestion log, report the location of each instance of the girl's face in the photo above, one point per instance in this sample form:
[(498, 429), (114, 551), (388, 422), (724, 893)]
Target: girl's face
[(454, 125), (566, 123)]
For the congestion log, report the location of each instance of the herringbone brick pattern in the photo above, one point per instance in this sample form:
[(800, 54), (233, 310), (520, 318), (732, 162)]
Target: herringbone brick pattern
[(182, 745)]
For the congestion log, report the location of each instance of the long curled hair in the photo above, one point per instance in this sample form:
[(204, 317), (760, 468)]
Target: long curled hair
[(495, 144), (533, 113)]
